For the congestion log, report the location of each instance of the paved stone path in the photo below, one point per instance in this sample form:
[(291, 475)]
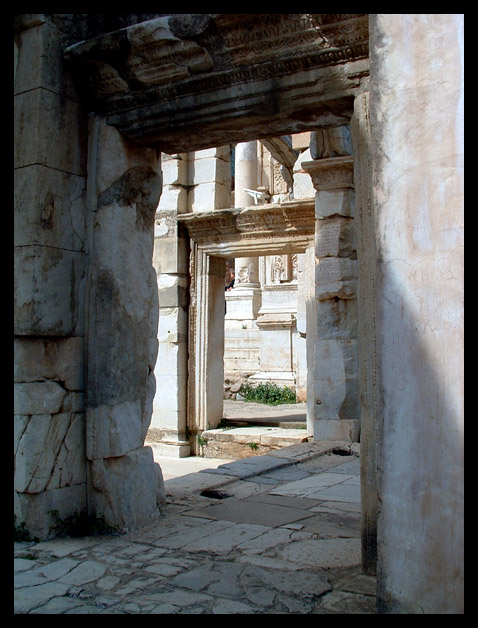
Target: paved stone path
[(260, 413), (280, 536)]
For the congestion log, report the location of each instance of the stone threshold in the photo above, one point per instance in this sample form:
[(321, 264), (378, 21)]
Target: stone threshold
[(248, 441)]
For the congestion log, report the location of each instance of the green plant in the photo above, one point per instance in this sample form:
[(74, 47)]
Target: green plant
[(253, 446), (268, 393), (21, 533), (81, 524), (202, 442)]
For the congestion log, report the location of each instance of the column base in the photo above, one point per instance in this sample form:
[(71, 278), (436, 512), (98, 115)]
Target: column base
[(171, 450), (243, 303), (336, 429)]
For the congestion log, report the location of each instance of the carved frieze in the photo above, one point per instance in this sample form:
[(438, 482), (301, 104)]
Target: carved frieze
[(157, 56), (289, 220), (252, 42), (159, 77)]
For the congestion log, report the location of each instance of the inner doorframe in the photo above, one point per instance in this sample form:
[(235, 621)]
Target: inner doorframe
[(206, 328)]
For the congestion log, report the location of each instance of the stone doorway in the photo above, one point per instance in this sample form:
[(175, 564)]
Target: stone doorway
[(141, 108), (300, 241), (265, 300), (207, 337), (243, 347)]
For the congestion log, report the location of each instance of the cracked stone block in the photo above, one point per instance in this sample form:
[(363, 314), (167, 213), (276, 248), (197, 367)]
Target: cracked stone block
[(38, 398), (127, 490), (50, 453), (48, 291), (60, 359), (35, 508)]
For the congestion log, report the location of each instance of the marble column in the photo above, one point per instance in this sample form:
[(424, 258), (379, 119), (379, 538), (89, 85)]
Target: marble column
[(245, 300)]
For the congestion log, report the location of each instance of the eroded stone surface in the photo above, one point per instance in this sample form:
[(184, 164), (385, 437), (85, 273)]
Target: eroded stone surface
[(257, 554)]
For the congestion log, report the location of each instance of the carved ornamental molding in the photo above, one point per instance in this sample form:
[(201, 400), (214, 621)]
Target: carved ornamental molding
[(331, 173), (262, 229), (204, 74)]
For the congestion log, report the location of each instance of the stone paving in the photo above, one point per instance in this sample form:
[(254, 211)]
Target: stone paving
[(276, 534)]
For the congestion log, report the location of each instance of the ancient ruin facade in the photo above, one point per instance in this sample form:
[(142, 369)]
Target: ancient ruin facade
[(124, 222)]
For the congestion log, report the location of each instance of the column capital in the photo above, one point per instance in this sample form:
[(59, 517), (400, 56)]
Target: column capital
[(331, 173)]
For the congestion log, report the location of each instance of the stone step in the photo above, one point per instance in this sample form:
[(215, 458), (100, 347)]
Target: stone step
[(244, 442)]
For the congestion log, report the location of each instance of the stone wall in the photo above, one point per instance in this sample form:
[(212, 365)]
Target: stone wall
[(50, 264), (81, 413)]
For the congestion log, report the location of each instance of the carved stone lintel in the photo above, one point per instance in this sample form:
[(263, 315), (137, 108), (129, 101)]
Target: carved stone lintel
[(290, 220), (177, 81)]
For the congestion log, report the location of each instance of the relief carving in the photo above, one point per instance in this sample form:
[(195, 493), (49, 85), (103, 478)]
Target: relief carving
[(331, 173), (247, 274), (157, 56), (113, 67), (295, 265), (278, 269), (279, 184), (283, 268)]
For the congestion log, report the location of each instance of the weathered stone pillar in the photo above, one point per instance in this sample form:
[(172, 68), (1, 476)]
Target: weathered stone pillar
[(366, 259), (332, 350), (417, 128), (124, 185), (171, 262)]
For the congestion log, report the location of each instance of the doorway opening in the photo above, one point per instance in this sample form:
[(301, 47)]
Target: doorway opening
[(250, 209), (247, 314), (265, 370)]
